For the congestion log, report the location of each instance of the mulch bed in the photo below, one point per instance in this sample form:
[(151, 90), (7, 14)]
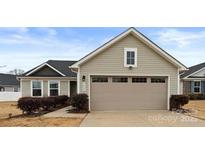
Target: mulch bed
[(77, 111)]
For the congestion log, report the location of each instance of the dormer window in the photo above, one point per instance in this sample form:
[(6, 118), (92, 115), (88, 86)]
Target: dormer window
[(130, 57)]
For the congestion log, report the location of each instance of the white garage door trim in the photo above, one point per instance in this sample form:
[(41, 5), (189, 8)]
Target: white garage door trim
[(148, 75)]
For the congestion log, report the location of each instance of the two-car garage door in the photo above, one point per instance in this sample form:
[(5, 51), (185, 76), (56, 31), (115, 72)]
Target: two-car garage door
[(128, 93)]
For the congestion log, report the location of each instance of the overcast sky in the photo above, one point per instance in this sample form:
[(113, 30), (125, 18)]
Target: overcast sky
[(24, 48)]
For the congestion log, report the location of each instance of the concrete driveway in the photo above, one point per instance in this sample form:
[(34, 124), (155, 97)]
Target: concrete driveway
[(140, 118)]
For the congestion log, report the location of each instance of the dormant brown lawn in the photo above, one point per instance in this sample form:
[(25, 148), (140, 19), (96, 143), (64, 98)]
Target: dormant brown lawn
[(10, 107), (198, 108)]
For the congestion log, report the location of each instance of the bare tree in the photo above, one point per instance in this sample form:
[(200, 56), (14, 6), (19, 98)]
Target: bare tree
[(16, 72)]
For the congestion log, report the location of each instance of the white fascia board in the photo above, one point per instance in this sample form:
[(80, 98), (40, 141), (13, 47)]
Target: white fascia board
[(45, 64), (194, 73), (160, 51), (76, 65), (192, 79)]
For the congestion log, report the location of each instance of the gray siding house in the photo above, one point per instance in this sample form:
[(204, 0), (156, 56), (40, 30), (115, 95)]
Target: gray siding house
[(129, 72), (9, 83), (193, 80)]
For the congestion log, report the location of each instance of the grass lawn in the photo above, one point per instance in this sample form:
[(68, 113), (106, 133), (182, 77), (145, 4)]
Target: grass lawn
[(197, 108), (10, 107)]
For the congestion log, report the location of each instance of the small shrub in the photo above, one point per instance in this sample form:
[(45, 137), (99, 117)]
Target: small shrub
[(80, 102), (61, 100), (201, 97), (192, 96), (177, 101), (197, 96), (29, 105), (47, 103)]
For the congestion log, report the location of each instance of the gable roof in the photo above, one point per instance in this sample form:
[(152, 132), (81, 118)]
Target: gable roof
[(59, 66), (8, 80), (138, 35), (193, 69)]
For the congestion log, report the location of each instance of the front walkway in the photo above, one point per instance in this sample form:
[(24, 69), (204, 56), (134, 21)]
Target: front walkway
[(63, 113), (140, 118)]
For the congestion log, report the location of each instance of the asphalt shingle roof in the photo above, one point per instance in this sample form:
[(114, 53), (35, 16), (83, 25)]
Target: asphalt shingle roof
[(8, 79), (61, 65), (192, 70)]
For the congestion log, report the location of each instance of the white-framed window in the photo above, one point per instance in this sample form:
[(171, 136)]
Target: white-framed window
[(53, 88), (36, 88), (197, 86), (130, 57)]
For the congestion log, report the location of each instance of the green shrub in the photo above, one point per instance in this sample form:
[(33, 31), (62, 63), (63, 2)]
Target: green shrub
[(177, 101), (80, 102)]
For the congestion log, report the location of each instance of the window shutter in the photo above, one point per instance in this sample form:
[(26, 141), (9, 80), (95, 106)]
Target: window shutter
[(192, 86), (203, 86)]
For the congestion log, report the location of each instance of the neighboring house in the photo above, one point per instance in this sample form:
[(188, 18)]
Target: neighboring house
[(129, 72), (9, 83), (193, 80), (51, 78)]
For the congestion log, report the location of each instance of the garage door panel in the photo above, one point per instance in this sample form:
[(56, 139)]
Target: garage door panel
[(128, 96)]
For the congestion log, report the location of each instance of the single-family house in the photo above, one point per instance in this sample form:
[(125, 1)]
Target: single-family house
[(193, 80), (9, 83), (129, 72)]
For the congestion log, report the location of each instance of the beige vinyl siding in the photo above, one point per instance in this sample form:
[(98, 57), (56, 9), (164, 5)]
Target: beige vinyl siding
[(181, 87), (45, 88), (64, 88), (111, 61), (186, 87), (26, 86)]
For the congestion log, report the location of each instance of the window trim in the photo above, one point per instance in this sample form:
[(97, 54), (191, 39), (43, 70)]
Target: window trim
[(119, 78), (161, 78), (139, 78), (100, 77), (58, 86), (197, 87), (41, 81), (125, 57)]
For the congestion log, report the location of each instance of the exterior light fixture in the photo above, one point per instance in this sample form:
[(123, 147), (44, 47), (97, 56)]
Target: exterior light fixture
[(130, 67)]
